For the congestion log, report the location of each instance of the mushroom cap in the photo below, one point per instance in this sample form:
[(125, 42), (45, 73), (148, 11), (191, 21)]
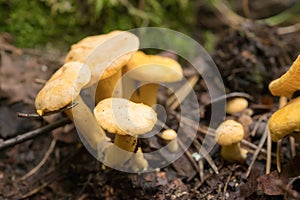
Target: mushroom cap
[(236, 105), (169, 134), (229, 132), (63, 86), (126, 44), (121, 116), (153, 68), (285, 121), (288, 83)]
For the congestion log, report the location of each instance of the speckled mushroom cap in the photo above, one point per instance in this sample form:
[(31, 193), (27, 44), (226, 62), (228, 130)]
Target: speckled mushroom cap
[(288, 83), (153, 68), (63, 86), (229, 132), (121, 116), (169, 134), (285, 121), (117, 41)]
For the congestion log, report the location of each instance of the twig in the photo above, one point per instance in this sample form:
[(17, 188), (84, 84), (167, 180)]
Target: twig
[(293, 147), (288, 29), (261, 143), (269, 154), (278, 156), (227, 15), (182, 93), (206, 155), (42, 162), (34, 115), (287, 188), (246, 8), (31, 134), (201, 169), (226, 185), (230, 95), (260, 119)]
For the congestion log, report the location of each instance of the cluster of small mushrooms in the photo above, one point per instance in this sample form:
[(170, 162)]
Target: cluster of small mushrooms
[(99, 62), (284, 122)]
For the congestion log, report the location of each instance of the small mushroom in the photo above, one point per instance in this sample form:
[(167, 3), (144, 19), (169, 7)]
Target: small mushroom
[(170, 136), (228, 135), (236, 105), (150, 70), (118, 47), (126, 120), (138, 162)]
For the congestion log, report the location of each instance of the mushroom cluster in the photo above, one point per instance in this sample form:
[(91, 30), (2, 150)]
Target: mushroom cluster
[(99, 58), (286, 120)]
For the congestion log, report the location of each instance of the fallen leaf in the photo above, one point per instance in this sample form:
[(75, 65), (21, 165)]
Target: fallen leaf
[(267, 184)]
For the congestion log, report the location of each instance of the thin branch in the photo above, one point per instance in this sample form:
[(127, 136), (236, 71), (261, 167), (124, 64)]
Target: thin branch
[(260, 145), (31, 134), (42, 162)]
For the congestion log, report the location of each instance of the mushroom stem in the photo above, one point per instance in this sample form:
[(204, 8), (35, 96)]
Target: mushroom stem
[(234, 153), (130, 88), (109, 87), (85, 122), (138, 162), (148, 93), (126, 142)]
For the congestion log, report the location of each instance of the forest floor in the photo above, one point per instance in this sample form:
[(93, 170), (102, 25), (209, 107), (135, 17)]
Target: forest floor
[(54, 164)]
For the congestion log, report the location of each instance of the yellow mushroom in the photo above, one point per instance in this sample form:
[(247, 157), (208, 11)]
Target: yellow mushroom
[(126, 120), (288, 83), (170, 136), (62, 89), (150, 70), (228, 135), (236, 105), (286, 120), (118, 48)]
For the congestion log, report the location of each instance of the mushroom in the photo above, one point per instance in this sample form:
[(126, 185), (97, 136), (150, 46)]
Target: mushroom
[(127, 120), (170, 136), (228, 135), (119, 47), (236, 105), (150, 70), (138, 162), (64, 87), (286, 120), (288, 83)]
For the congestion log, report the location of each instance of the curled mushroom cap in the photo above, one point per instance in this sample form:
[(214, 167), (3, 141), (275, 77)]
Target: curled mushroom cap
[(117, 46), (285, 121), (121, 116), (153, 68), (229, 132), (64, 85), (288, 83)]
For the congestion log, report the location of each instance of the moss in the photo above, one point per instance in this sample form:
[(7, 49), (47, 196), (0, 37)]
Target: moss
[(40, 22)]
